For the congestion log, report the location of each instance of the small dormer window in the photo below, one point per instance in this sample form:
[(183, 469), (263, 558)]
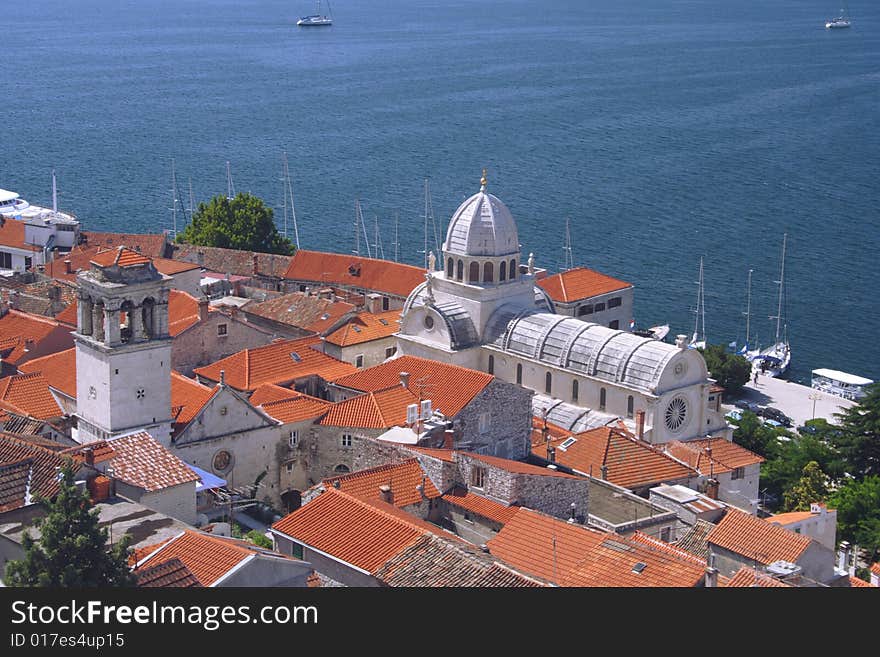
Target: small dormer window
[(296, 357)]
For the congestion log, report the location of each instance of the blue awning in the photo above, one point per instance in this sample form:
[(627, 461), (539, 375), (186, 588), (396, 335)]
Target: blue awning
[(206, 479)]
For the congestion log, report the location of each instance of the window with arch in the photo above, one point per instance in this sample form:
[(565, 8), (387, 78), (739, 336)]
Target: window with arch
[(474, 272), (519, 373), (450, 267), (574, 391), (512, 271), (548, 382), (630, 406), (502, 271), (488, 273), (459, 272), (602, 396), (341, 469), (148, 313), (491, 364)]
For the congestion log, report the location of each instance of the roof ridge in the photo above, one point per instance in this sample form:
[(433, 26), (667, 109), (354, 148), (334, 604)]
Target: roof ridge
[(372, 506), (360, 474), (36, 318)]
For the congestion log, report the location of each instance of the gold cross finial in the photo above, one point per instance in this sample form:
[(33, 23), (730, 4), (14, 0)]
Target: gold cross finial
[(483, 182)]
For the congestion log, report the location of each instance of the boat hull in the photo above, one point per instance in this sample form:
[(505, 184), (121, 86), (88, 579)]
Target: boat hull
[(837, 24)]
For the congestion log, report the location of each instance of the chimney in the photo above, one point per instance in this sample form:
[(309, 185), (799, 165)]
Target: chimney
[(604, 470), (28, 344), (203, 310), (404, 379), (222, 377), (571, 513), (640, 424), (256, 262), (13, 299), (711, 573), (843, 555), (421, 488), (712, 488), (89, 455), (449, 438), (374, 303), (385, 493), (681, 341), (551, 454), (67, 268)]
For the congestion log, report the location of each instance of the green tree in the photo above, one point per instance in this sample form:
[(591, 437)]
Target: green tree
[(786, 460), (858, 513), (859, 436), (244, 223), (71, 550), (259, 539), (731, 371), (755, 436), (812, 487)]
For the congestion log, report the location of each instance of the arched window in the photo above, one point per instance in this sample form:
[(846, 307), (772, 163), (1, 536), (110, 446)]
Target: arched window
[(474, 273), (548, 383), (488, 273), (502, 271), (491, 364), (126, 323), (574, 391), (341, 469), (519, 373), (86, 316), (148, 315), (98, 321), (512, 272), (450, 268), (630, 403), (602, 399), (460, 271)]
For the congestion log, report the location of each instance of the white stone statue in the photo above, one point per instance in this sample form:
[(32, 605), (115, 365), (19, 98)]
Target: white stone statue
[(531, 263), (429, 291), (432, 261)]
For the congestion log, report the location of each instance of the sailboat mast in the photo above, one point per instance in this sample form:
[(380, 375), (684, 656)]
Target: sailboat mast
[(192, 199), (230, 188), (288, 192), (173, 199), (426, 224), (781, 282), (357, 228), (54, 193), (567, 258), (364, 228), (699, 308), (748, 306), (378, 248), (396, 238)]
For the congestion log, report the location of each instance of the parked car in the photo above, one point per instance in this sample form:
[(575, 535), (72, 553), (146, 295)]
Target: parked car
[(747, 405), (770, 413), (734, 415), (772, 423), (807, 429)]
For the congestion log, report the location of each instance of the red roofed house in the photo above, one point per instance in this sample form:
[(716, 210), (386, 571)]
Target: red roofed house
[(594, 297), (24, 337), (297, 315), (819, 523), (393, 280), (366, 340), (740, 539)]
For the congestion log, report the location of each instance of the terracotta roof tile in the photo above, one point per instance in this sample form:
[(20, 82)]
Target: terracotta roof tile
[(747, 577), (45, 462), (857, 583), (372, 410), (188, 398), (17, 327), (579, 283), (172, 267), (482, 506), (353, 271), (29, 394), (59, 370), (121, 257), (207, 557), (445, 455), (233, 261), (694, 539), (725, 456), (301, 310), (68, 315), (630, 463), (168, 574), (401, 477), (751, 537), (296, 409), (140, 460), (449, 387), (364, 534), (14, 484), (518, 467), (269, 392), (12, 234), (792, 517), (150, 244), (875, 568), (366, 327), (279, 362)]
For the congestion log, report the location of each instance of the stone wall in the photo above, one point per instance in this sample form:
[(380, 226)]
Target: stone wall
[(201, 344), (509, 427), (552, 495), (373, 352)]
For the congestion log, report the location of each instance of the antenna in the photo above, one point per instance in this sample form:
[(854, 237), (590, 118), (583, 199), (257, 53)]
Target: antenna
[(230, 188)]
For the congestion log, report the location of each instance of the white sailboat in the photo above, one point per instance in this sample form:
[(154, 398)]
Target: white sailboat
[(746, 349), (317, 19), (840, 21), (774, 360), (698, 340)]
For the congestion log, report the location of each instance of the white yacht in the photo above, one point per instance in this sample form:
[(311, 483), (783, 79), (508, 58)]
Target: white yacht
[(774, 360), (698, 340), (841, 384), (317, 18), (839, 22)]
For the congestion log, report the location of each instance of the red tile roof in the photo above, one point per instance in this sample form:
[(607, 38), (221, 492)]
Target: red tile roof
[(553, 431), (875, 568), (269, 392), (353, 271), (183, 311), (172, 267), (188, 398), (364, 534), (121, 256), (366, 327), (150, 244), (446, 455), (45, 462), (751, 537), (518, 467), (725, 456), (449, 387), (29, 394), (372, 410), (233, 261), (14, 480), (401, 477), (276, 363), (792, 517), (579, 283), (857, 583), (17, 327), (59, 370), (747, 577), (207, 557), (630, 463), (482, 506), (140, 460), (301, 310), (168, 574), (68, 315), (296, 409), (12, 235)]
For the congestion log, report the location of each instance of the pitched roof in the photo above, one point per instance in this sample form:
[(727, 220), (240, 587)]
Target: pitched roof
[(363, 533), (482, 506), (348, 270), (875, 568), (168, 574), (207, 557), (747, 577), (301, 310), (366, 327), (24, 425), (17, 327), (29, 394), (140, 460), (269, 392), (14, 484), (857, 583), (725, 455), (579, 283), (233, 261), (518, 467), (445, 455), (630, 462), (279, 362), (68, 315), (694, 539), (121, 256), (44, 462), (152, 244), (401, 477), (372, 410), (81, 257), (751, 537), (450, 387), (433, 561), (296, 409), (12, 234), (188, 398), (792, 517), (173, 267)]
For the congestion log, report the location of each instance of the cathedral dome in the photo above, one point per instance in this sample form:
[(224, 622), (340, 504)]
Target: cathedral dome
[(482, 226)]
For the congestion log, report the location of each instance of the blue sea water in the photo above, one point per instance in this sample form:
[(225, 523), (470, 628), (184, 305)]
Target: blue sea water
[(664, 129)]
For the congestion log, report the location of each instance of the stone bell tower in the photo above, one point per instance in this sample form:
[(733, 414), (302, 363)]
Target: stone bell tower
[(123, 349)]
